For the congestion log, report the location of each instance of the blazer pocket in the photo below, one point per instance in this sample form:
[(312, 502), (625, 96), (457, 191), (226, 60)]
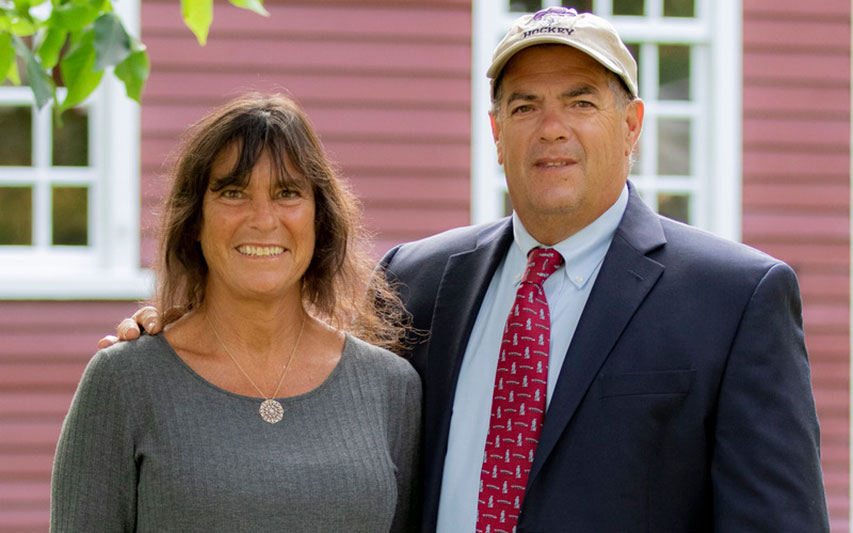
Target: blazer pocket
[(667, 382)]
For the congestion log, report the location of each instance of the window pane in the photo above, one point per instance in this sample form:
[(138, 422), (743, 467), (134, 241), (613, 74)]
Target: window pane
[(580, 6), (679, 8), (71, 216), (629, 7), (16, 130), (523, 6), (674, 147), (674, 76), (16, 216), (674, 206), (71, 140)]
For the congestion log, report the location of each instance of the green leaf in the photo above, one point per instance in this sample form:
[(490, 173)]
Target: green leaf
[(40, 83), (198, 14), (133, 71), (112, 43), (78, 71), (8, 67), (21, 25), (50, 47), (13, 75), (75, 16), (255, 6), (21, 6)]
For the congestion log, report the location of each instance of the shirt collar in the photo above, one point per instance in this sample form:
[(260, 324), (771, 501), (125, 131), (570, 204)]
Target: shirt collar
[(584, 250)]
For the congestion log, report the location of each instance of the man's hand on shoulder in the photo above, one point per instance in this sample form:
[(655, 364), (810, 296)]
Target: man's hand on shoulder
[(147, 319)]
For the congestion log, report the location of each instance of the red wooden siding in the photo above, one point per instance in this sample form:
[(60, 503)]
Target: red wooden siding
[(796, 190), (43, 350), (386, 84)]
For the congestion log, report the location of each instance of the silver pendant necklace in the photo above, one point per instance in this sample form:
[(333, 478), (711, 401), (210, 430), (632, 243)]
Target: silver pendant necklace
[(271, 410)]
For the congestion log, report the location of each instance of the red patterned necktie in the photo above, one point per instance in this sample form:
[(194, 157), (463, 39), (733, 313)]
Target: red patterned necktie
[(518, 404)]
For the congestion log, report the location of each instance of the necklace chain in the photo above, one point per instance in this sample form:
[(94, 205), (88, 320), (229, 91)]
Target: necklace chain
[(283, 372)]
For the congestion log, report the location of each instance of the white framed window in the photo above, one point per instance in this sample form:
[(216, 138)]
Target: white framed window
[(688, 160), (69, 194)]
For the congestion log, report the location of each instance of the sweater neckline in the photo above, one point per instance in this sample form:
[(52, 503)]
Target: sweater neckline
[(286, 399)]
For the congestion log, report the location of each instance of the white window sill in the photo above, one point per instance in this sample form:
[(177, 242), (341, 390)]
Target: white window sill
[(91, 285)]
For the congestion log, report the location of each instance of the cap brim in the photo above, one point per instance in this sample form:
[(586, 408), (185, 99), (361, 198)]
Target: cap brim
[(500, 62)]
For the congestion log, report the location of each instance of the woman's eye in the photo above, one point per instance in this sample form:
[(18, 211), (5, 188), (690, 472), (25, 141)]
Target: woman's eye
[(232, 193), (288, 193)]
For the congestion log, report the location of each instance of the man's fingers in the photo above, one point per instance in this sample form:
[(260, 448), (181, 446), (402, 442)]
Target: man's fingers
[(107, 341), (127, 330), (149, 319)]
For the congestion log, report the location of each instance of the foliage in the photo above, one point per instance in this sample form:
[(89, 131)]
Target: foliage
[(76, 41)]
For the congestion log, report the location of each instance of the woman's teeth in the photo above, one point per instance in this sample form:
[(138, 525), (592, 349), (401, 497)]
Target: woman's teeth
[(260, 250)]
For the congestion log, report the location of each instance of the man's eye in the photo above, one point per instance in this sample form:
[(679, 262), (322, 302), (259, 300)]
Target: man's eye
[(522, 109), (584, 103)]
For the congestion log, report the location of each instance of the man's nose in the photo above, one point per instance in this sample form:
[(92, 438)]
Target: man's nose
[(553, 127)]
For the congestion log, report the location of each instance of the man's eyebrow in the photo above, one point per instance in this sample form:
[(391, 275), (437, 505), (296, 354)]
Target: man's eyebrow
[(525, 97), (581, 90)]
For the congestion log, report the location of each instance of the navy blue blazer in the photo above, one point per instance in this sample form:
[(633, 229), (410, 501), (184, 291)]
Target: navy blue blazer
[(684, 403)]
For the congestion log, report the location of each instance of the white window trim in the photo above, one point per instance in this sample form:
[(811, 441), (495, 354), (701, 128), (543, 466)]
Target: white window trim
[(717, 148), (726, 167), (109, 268)]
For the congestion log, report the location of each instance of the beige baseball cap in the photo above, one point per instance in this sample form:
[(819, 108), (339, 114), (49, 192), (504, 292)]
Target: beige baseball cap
[(588, 33)]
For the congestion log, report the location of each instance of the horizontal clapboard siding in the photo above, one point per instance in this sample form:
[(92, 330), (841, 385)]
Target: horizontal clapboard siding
[(386, 84), (44, 347), (796, 191)]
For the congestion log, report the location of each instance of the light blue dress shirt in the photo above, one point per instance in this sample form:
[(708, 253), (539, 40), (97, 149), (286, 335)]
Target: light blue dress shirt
[(567, 291)]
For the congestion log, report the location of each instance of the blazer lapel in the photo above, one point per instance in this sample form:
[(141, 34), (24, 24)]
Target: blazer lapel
[(463, 286), (461, 291), (625, 278)]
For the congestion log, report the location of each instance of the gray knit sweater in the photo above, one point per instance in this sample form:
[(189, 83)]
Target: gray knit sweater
[(149, 445)]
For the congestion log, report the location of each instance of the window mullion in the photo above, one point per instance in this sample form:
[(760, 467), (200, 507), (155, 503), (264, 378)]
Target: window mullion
[(654, 9), (699, 149), (42, 215), (604, 8), (649, 137), (42, 197), (676, 31)]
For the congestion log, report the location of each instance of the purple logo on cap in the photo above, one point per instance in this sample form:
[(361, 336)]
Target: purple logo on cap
[(555, 12), (552, 21)]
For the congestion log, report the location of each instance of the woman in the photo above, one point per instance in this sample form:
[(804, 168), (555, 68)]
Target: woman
[(254, 411)]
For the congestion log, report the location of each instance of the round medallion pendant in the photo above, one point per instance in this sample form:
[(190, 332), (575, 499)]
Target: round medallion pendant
[(271, 411)]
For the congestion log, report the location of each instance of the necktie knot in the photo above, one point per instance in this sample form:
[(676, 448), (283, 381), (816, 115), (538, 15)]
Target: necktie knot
[(541, 263)]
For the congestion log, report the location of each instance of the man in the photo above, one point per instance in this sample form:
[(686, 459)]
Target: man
[(676, 384)]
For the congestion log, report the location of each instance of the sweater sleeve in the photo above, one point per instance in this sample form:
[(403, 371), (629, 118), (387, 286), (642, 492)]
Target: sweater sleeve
[(93, 486), (406, 453)]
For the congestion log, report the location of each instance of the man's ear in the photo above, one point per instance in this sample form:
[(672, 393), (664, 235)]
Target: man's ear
[(633, 123), (496, 135)]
